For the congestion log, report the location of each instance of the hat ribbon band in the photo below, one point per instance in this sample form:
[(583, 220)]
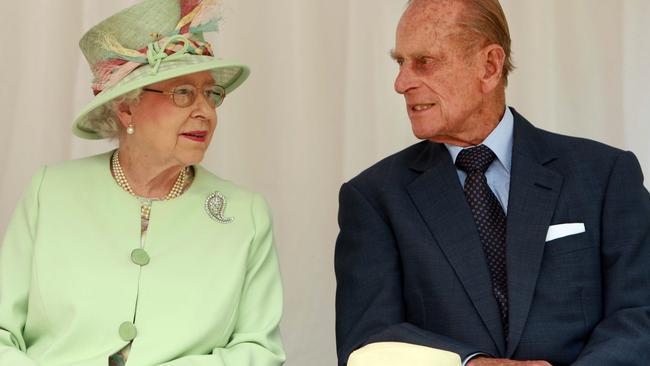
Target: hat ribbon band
[(156, 53), (110, 71)]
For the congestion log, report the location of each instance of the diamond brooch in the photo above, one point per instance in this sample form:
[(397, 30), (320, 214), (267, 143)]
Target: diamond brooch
[(215, 206)]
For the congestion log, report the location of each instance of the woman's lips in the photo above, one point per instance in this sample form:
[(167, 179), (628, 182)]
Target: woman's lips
[(198, 136)]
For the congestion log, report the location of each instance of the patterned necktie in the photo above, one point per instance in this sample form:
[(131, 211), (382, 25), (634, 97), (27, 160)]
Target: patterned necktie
[(490, 220)]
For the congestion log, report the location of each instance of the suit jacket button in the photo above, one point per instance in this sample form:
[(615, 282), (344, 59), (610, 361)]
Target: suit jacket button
[(128, 332), (140, 257)]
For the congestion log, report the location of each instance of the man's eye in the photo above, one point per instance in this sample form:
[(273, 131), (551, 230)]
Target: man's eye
[(400, 62), (425, 64)]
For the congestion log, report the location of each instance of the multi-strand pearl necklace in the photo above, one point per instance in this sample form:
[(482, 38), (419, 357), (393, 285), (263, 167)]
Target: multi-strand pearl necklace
[(120, 177)]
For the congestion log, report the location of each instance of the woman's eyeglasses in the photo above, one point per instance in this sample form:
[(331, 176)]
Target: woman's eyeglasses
[(185, 95)]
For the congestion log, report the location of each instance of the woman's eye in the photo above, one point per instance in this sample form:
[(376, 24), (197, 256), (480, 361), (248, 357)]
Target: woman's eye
[(183, 91)]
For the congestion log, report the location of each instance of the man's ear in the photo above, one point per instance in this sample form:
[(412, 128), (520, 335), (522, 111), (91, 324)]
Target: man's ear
[(493, 57)]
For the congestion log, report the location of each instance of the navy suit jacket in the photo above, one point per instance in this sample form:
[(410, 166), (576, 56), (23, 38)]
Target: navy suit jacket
[(410, 265)]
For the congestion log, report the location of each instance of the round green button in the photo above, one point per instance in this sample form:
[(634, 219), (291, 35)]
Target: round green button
[(128, 331), (140, 257)]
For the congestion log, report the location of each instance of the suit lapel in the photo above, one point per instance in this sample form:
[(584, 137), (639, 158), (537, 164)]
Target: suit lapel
[(438, 196), (534, 189)]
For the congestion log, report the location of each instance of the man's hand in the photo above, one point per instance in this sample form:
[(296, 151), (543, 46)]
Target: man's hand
[(484, 361)]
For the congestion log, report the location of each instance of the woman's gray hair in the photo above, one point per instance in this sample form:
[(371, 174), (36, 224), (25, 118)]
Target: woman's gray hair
[(104, 119)]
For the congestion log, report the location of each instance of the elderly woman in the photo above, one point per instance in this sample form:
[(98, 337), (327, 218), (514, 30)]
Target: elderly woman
[(140, 254)]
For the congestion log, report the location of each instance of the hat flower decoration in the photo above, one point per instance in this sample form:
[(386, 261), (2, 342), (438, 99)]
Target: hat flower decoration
[(152, 41)]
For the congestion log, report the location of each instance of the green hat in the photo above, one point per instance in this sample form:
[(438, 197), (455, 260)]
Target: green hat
[(152, 41)]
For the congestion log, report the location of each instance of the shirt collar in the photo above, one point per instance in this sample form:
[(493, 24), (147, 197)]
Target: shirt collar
[(499, 141)]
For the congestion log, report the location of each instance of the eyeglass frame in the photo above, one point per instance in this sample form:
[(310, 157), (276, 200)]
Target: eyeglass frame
[(172, 94)]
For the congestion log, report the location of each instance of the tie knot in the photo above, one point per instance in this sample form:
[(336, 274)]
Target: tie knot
[(475, 159)]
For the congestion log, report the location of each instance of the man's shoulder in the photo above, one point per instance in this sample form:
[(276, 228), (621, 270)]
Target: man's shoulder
[(577, 159), (559, 143), (394, 168), (581, 158), (573, 145)]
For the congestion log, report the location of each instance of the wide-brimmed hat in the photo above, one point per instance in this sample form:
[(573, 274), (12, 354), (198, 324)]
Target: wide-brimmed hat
[(152, 41)]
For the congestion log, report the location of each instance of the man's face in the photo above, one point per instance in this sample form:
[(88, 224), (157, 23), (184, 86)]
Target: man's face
[(438, 76)]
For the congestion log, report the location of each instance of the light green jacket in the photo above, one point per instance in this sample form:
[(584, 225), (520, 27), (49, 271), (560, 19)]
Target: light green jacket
[(210, 295)]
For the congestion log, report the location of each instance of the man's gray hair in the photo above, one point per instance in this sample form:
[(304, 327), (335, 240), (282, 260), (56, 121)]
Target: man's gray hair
[(486, 19)]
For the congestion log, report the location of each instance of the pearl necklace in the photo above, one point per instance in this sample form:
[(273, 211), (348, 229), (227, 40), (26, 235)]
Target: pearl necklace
[(176, 190)]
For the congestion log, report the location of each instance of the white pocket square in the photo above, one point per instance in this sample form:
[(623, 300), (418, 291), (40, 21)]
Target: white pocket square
[(562, 230)]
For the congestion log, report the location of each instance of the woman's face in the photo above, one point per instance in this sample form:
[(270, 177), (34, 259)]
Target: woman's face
[(169, 134)]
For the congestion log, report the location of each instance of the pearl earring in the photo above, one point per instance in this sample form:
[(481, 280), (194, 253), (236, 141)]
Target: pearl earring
[(130, 130)]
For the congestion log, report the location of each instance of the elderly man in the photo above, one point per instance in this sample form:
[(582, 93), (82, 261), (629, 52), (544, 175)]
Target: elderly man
[(493, 239)]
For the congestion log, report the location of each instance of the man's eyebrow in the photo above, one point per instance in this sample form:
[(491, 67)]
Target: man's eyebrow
[(397, 56)]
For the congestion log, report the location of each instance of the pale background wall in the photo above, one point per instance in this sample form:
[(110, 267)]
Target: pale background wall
[(319, 107)]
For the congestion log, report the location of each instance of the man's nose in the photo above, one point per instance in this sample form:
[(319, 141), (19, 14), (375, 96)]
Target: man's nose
[(405, 80)]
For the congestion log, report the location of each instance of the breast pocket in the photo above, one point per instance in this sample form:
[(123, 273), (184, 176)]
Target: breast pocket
[(567, 244)]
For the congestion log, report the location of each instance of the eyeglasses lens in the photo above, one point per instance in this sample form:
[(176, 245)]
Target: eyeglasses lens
[(184, 96)]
